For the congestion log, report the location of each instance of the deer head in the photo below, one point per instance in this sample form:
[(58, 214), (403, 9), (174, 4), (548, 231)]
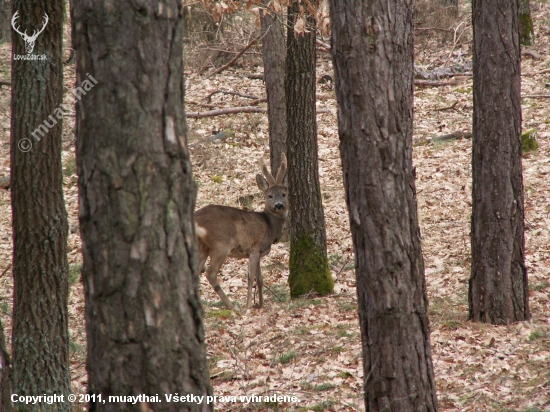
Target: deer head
[(29, 40)]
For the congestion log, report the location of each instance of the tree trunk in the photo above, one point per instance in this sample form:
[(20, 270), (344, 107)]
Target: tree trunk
[(137, 198), (5, 375), (40, 343), (309, 270), (498, 290), (526, 32), (5, 21), (274, 56), (372, 50)]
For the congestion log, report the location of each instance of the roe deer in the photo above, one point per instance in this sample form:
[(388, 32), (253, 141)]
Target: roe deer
[(224, 231)]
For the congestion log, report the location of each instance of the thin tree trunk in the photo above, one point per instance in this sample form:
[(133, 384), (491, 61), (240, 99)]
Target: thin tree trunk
[(40, 330), (372, 48), (309, 270), (137, 199), (274, 56), (498, 290)]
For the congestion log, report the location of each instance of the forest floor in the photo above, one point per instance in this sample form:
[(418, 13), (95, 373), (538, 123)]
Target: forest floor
[(311, 348)]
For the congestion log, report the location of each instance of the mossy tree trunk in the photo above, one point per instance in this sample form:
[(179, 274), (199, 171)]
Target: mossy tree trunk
[(372, 48), (526, 31), (309, 269), (498, 290), (137, 198), (40, 338)]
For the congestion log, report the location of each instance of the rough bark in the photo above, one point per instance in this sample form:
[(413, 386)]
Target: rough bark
[(5, 21), (137, 198), (274, 57), (372, 47), (5, 375), (526, 31), (498, 290), (309, 270), (40, 341)]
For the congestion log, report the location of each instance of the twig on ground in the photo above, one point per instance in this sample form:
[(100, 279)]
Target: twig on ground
[(246, 96), (233, 60), (452, 106), (5, 270)]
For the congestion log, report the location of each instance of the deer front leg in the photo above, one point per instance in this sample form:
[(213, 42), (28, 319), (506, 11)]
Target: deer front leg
[(253, 264), (260, 285)]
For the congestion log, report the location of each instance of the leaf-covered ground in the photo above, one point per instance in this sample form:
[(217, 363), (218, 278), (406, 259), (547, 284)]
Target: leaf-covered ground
[(311, 348)]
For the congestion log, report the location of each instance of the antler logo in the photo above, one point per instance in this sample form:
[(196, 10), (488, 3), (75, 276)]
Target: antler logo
[(29, 40)]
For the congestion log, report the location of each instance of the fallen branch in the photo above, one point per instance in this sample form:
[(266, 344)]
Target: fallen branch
[(233, 110), (536, 73), (323, 46), (536, 96), (221, 69), (227, 110), (435, 83), (433, 28), (4, 83), (532, 54), (246, 96)]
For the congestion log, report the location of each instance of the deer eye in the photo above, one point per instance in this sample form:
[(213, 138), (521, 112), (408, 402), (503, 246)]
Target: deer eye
[(284, 194), (271, 197)]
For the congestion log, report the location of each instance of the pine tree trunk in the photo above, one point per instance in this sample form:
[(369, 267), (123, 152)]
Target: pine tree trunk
[(5, 375), (40, 343), (309, 270), (498, 290), (373, 61), (137, 199), (526, 32)]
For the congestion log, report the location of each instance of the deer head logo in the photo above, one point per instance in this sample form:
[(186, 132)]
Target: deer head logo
[(29, 40)]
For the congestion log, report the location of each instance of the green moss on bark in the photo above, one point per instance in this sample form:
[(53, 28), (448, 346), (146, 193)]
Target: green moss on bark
[(309, 269)]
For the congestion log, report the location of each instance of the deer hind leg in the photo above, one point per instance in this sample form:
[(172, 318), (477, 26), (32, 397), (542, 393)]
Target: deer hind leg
[(253, 266), (217, 258), (203, 255)]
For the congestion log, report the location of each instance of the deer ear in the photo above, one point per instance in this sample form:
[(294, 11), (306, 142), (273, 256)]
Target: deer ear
[(262, 183)]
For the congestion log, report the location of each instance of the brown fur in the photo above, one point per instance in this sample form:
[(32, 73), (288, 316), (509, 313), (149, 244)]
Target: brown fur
[(225, 231)]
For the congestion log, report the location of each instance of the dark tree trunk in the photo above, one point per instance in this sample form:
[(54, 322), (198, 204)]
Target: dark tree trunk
[(274, 56), (5, 375), (137, 198), (498, 282), (309, 270), (40, 333), (5, 21), (372, 49), (526, 32)]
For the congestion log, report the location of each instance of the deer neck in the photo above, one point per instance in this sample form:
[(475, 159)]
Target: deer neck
[(275, 224)]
